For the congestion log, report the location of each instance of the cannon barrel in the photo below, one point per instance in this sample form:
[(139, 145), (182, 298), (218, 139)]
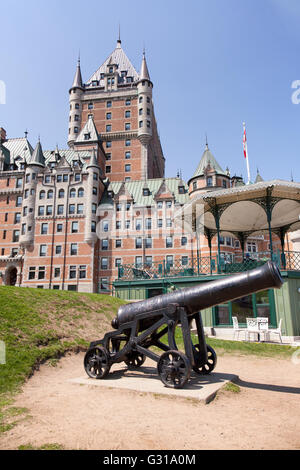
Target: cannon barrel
[(205, 295)]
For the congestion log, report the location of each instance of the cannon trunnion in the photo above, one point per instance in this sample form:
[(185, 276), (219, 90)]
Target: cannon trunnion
[(141, 325)]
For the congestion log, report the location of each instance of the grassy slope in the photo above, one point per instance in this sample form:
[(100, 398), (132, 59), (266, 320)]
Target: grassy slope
[(38, 324)]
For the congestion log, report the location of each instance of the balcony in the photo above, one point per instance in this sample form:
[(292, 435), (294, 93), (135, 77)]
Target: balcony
[(288, 261)]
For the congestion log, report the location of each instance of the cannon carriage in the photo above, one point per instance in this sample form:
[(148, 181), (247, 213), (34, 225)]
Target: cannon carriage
[(142, 325)]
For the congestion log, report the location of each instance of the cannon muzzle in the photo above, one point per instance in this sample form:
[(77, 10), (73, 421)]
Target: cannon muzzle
[(205, 295)]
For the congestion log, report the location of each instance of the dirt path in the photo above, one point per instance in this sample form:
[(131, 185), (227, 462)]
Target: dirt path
[(264, 415)]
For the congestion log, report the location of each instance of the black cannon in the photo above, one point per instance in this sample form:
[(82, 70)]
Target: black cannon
[(142, 325)]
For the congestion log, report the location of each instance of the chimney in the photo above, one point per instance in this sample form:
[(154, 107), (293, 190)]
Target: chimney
[(2, 135)]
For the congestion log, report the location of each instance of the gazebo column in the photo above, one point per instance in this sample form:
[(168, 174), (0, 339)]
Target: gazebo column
[(241, 236), (217, 219), (269, 217), (209, 236)]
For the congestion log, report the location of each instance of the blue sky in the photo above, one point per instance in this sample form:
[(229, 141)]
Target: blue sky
[(214, 64)]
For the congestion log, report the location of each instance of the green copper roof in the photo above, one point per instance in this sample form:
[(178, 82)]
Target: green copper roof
[(135, 190), (208, 158), (37, 158)]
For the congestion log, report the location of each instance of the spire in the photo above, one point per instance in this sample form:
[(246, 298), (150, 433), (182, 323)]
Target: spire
[(119, 42), (77, 82), (37, 157), (258, 178), (144, 75)]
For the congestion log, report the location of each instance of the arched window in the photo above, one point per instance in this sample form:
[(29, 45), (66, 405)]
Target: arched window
[(61, 193), (42, 195), (73, 192), (80, 192), (50, 194)]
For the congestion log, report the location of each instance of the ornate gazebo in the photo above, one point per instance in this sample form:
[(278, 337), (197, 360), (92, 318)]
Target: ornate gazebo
[(267, 206)]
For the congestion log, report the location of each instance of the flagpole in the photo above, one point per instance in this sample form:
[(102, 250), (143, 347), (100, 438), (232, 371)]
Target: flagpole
[(246, 153)]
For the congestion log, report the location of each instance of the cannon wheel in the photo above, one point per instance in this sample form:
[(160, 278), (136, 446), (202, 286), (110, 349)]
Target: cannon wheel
[(135, 359), (96, 363), (174, 369), (211, 363)]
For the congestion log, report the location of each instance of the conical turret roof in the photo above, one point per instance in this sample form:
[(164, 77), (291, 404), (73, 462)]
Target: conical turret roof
[(37, 158), (93, 160), (144, 75), (77, 82), (208, 159), (258, 178)]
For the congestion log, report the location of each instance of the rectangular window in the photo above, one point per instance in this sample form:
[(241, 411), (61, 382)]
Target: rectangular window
[(19, 201), (148, 224), (148, 261), (108, 144), (72, 272), (108, 169), (118, 262), (138, 261), (18, 216), (44, 229), (118, 225), (169, 223), (49, 210), (104, 263), (42, 271), (159, 223), (148, 242), (31, 274), (105, 226), (138, 243), (56, 272), (118, 243), (71, 208), (127, 155), (43, 250), (169, 242), (74, 227), (19, 182), (82, 272), (138, 224), (60, 209), (108, 115), (93, 226), (74, 249), (127, 114), (183, 241), (59, 227), (16, 236), (127, 168), (58, 250), (170, 261), (108, 156), (108, 128), (127, 143), (23, 229), (104, 245), (127, 126), (104, 284), (108, 104)]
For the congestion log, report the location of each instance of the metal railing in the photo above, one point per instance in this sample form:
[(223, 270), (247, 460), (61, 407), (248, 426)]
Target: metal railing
[(205, 265)]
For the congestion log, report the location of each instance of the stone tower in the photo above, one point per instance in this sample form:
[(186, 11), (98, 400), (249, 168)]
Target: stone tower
[(118, 99)]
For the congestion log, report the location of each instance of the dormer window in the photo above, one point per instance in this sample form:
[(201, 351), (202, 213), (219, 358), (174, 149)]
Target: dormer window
[(181, 189), (146, 192), (101, 76), (87, 136), (123, 73), (129, 79), (111, 70), (90, 106), (209, 181), (94, 82)]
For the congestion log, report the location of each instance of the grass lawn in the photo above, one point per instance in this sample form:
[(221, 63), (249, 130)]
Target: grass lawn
[(37, 325)]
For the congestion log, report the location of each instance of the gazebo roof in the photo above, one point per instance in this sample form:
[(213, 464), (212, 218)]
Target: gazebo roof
[(246, 208)]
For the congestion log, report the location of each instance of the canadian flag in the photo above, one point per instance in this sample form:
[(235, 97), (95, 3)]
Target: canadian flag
[(245, 143)]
